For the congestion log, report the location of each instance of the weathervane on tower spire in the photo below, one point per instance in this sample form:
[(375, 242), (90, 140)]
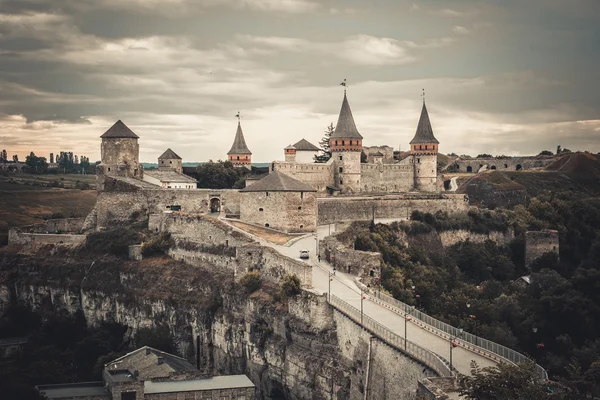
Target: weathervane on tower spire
[(344, 84), (238, 116), (423, 96)]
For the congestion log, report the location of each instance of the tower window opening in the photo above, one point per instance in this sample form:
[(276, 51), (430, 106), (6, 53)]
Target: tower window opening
[(260, 209), (343, 143), (351, 143), (238, 157), (425, 147), (299, 207), (267, 193), (418, 160), (336, 142), (341, 170), (341, 181), (170, 162), (340, 160)]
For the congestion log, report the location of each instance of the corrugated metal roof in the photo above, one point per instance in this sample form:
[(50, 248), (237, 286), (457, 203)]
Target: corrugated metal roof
[(278, 182), (216, 382), (70, 390), (119, 130)]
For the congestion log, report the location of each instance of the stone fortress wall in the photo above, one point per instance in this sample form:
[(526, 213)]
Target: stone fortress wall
[(360, 208), (501, 164), (317, 175), (388, 178), (538, 243), (292, 212), (355, 262), (64, 231), (200, 239)]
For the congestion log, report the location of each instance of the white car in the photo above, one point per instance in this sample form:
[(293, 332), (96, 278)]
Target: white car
[(304, 254)]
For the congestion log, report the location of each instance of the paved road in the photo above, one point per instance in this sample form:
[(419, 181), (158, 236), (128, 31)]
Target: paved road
[(344, 287)]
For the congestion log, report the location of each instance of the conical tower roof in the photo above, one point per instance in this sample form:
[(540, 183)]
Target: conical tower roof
[(424, 132), (239, 144), (346, 128), (119, 130), (169, 155)]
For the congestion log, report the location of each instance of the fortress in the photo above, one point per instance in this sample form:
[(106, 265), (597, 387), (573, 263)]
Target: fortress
[(298, 194)]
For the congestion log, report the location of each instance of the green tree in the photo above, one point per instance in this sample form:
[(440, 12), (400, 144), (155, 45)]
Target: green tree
[(546, 153), (39, 164), (218, 175), (325, 154), (503, 382), (159, 338)]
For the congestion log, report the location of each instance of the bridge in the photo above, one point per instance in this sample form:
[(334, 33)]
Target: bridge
[(443, 348)]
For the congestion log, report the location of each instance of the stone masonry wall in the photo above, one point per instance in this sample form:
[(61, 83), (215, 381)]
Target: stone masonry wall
[(342, 209), (391, 375), (503, 164), (317, 175), (286, 211), (388, 178), (36, 239), (356, 262), (116, 207), (538, 243), (217, 394), (452, 237)]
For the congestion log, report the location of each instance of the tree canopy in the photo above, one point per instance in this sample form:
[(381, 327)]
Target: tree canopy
[(219, 175), (325, 153)]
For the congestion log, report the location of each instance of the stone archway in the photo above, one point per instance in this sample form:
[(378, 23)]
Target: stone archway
[(469, 169), (215, 205), (519, 167)]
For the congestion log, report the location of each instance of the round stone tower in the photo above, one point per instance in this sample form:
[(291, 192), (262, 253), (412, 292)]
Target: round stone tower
[(120, 152), (346, 148), (424, 148)]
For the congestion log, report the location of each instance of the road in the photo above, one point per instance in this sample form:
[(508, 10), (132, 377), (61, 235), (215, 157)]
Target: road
[(344, 287)]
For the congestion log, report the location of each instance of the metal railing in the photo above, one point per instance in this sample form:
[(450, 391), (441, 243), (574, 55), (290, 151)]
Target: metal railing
[(491, 347), (413, 350)]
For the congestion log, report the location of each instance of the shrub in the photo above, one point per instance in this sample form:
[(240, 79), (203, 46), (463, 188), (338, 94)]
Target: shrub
[(290, 286), (251, 281), (115, 241), (157, 245)]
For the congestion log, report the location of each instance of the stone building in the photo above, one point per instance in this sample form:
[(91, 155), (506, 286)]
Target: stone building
[(538, 243), (170, 161), (169, 174), (239, 154), (151, 374), (120, 152), (280, 202), (380, 174), (305, 151)]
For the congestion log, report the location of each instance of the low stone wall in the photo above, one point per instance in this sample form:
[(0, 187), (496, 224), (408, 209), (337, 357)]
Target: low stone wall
[(452, 237), (32, 239), (341, 209), (356, 262), (538, 243), (239, 260), (63, 225), (436, 388), (216, 394)]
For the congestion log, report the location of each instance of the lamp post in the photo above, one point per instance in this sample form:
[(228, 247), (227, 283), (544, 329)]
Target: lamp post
[(330, 279), (474, 318), (407, 318), (418, 296), (362, 297), (453, 345)]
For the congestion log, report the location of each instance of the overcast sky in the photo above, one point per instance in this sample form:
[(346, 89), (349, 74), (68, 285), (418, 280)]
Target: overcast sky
[(501, 77)]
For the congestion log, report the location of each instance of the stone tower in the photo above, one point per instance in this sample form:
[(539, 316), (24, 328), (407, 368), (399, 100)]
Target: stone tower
[(239, 154), (170, 161), (290, 153), (120, 153), (346, 148), (424, 149)]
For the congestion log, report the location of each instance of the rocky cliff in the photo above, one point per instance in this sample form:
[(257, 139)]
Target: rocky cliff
[(296, 348)]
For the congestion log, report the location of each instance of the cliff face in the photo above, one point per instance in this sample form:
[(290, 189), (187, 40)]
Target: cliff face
[(294, 349)]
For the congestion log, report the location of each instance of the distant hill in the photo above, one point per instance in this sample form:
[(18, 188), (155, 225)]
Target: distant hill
[(578, 173)]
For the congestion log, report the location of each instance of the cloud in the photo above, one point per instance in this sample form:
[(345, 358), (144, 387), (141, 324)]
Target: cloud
[(460, 30), (186, 6)]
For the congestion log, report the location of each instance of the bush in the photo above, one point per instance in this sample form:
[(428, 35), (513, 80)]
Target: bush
[(114, 241), (290, 286), (157, 245), (251, 281)]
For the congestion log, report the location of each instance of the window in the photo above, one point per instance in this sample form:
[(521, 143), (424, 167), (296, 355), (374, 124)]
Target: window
[(260, 209), (238, 157), (128, 395), (425, 147), (162, 161), (418, 160), (336, 143), (267, 193), (301, 226), (341, 170), (267, 225), (299, 207), (351, 143), (340, 160), (420, 147), (301, 195), (170, 162), (341, 181), (108, 169), (343, 143)]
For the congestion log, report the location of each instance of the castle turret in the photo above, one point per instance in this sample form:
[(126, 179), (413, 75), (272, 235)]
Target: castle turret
[(170, 161), (346, 148), (424, 149), (239, 154), (120, 152), (290, 153)]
